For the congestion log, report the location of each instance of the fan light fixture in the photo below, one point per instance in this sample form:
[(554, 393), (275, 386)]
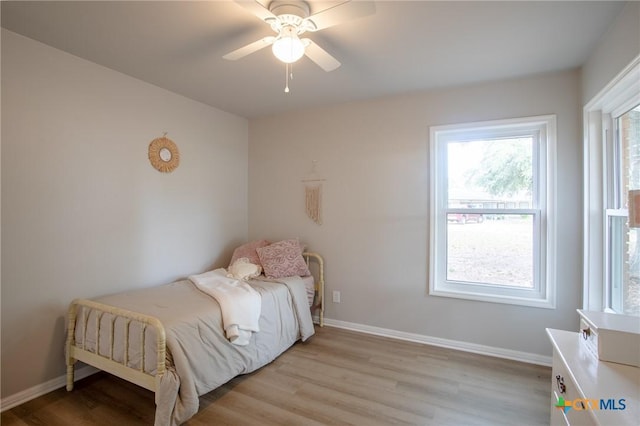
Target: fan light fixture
[(289, 19), (288, 47)]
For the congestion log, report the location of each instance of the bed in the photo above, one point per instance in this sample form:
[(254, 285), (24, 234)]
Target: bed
[(171, 340)]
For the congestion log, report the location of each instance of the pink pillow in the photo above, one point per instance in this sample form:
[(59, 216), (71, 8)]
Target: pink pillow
[(283, 259), (248, 250)]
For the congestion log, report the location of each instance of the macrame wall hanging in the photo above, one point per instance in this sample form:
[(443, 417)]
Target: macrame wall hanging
[(313, 194)]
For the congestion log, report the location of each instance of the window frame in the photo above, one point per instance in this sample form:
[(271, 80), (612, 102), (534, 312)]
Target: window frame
[(543, 205), (601, 197)]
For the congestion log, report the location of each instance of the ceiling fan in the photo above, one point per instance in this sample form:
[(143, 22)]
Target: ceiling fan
[(290, 19)]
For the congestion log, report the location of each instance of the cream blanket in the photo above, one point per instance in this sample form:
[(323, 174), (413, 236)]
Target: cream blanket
[(239, 302)]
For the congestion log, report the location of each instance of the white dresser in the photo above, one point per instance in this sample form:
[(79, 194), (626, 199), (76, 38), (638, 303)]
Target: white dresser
[(598, 392)]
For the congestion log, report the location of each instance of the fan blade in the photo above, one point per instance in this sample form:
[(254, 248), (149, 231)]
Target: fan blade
[(340, 13), (320, 56), (256, 8), (249, 48)]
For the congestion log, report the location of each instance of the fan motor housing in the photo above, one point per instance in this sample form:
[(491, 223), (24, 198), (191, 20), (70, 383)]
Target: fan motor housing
[(299, 9)]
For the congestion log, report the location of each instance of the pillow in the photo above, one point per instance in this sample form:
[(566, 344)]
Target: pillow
[(242, 269), (248, 250), (283, 259)]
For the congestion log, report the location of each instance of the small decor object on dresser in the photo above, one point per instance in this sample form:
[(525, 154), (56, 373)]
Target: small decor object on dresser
[(164, 155), (611, 337)]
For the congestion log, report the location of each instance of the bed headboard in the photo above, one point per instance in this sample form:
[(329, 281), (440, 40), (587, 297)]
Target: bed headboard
[(315, 262)]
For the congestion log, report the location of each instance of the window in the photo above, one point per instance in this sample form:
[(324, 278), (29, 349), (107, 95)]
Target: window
[(491, 231), (622, 284), (612, 197)]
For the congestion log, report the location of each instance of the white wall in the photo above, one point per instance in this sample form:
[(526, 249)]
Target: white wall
[(375, 235), (617, 48), (83, 211)]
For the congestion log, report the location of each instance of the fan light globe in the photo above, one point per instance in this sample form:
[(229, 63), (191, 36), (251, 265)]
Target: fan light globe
[(288, 47)]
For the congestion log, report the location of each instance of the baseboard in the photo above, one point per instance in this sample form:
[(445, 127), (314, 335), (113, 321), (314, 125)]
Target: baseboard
[(85, 371), (43, 388), (444, 343)]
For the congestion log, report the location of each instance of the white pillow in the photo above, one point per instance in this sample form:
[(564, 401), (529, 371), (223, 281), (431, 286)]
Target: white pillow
[(243, 269)]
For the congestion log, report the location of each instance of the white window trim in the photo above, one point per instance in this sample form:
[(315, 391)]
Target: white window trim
[(544, 222), (621, 94)]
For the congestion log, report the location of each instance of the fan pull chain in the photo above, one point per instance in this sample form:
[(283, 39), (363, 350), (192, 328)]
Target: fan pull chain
[(286, 78), (288, 70)]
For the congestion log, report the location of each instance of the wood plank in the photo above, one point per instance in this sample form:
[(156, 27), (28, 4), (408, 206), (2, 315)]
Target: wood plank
[(338, 377)]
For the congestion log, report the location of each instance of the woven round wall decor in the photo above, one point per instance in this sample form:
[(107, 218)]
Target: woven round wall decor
[(164, 155)]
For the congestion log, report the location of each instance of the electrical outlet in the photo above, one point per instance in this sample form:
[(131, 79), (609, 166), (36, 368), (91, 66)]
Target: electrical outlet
[(336, 296)]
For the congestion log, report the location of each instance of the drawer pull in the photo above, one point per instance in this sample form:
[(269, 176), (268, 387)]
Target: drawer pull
[(586, 332), (560, 384)]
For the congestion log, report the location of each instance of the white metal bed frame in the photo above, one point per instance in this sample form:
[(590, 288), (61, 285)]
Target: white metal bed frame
[(76, 350)]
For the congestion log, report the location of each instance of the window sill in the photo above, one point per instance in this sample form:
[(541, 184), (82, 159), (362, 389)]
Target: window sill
[(545, 303)]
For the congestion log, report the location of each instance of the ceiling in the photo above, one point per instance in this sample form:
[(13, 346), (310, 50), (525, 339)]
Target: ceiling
[(405, 46)]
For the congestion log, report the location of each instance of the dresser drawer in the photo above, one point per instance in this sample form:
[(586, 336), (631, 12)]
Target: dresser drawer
[(580, 418), (557, 416), (579, 412), (589, 337), (561, 384)]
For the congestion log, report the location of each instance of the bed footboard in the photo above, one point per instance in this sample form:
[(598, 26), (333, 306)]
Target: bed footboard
[(78, 350)]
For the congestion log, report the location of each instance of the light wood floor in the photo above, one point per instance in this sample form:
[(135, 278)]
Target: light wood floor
[(338, 378)]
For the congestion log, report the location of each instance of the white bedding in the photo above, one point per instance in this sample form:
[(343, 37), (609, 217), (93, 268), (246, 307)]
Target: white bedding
[(309, 285), (308, 281), (199, 356), (239, 303)]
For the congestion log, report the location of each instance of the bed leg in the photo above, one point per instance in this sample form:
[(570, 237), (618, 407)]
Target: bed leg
[(70, 374), (71, 327)]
